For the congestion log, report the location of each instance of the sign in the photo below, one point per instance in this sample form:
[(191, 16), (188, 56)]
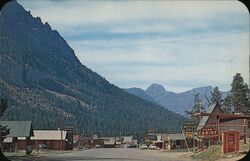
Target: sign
[(188, 127), (188, 134), (207, 132)]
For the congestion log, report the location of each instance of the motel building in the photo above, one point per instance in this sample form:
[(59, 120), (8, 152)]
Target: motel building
[(217, 127)]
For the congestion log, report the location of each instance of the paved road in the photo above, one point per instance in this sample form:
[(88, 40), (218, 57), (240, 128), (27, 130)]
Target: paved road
[(118, 154)]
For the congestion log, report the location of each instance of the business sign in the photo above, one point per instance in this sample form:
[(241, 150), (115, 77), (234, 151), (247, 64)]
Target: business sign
[(188, 129), (188, 135), (207, 132)]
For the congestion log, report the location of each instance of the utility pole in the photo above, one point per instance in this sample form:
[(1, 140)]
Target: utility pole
[(193, 138), (185, 138), (61, 128), (0, 127)]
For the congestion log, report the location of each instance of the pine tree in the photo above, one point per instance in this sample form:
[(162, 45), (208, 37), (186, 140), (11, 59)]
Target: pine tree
[(227, 105), (239, 95), (216, 96), (4, 131), (197, 107)]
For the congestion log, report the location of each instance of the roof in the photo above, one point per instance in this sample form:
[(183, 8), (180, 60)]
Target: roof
[(8, 140), (19, 128), (128, 139), (109, 141), (204, 119), (178, 136), (49, 135)]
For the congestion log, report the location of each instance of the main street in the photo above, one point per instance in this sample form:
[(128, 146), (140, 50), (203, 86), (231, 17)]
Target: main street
[(117, 154)]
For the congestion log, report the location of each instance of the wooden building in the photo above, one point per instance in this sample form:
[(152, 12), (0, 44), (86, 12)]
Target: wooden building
[(19, 136), (97, 141), (87, 141), (167, 141), (214, 122), (157, 139), (53, 139), (76, 140), (109, 142), (175, 141), (128, 141)]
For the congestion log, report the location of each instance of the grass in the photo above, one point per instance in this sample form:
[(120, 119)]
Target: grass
[(244, 147), (211, 154), (214, 152)]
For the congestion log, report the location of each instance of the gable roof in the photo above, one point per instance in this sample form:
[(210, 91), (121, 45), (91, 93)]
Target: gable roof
[(19, 128), (49, 135), (204, 119)]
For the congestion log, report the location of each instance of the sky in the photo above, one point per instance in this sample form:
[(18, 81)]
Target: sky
[(179, 44)]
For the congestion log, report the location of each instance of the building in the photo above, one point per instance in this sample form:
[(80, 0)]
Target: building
[(109, 142), (98, 141), (128, 141), (87, 141), (214, 121), (53, 139), (166, 141), (69, 138), (175, 141), (150, 138), (76, 140), (19, 136)]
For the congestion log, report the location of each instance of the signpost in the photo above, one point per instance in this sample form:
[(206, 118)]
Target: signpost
[(188, 129)]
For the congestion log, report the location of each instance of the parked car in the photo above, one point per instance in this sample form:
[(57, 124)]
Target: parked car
[(132, 146), (144, 146), (97, 146), (152, 147), (42, 146)]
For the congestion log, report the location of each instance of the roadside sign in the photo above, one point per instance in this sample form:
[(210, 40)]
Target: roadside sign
[(207, 132), (188, 135), (188, 127)]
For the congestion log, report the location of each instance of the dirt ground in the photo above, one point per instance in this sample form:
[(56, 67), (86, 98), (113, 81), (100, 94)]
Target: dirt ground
[(116, 154)]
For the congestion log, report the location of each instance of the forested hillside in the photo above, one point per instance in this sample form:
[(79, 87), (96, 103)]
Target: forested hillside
[(44, 80)]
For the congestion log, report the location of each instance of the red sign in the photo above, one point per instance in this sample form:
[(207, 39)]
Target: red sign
[(207, 132)]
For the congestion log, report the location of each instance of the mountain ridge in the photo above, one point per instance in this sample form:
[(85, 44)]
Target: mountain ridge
[(177, 102), (44, 80)]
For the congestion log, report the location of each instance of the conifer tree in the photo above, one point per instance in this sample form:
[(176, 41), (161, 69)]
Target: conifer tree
[(216, 96), (3, 129), (197, 107), (238, 97)]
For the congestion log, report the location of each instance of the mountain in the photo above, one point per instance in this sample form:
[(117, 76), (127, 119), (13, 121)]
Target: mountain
[(140, 93), (44, 82), (176, 102)]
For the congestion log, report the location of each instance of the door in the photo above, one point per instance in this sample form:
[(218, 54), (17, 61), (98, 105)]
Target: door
[(231, 143)]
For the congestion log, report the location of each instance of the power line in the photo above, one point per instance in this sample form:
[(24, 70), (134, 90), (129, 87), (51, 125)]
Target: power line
[(188, 39)]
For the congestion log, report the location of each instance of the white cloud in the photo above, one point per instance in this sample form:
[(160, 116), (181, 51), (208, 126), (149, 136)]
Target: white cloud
[(211, 61), (136, 43)]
